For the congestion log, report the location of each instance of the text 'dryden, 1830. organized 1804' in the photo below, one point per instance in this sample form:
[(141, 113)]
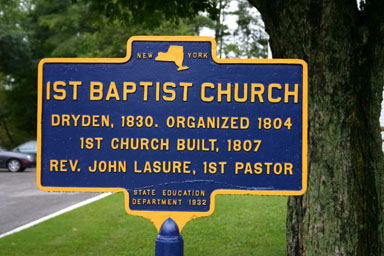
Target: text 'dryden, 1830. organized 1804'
[(171, 126)]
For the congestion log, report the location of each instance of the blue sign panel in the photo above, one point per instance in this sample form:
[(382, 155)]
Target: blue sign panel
[(171, 126)]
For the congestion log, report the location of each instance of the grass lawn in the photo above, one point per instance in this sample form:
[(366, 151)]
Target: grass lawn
[(241, 225)]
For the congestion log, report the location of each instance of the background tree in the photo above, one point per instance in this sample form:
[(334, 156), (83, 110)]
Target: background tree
[(220, 28), (342, 211), (15, 56)]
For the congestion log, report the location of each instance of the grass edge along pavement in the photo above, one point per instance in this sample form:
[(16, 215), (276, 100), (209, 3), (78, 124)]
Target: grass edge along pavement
[(240, 225)]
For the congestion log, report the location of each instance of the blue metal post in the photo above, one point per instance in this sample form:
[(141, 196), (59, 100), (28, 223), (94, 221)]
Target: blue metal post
[(169, 242)]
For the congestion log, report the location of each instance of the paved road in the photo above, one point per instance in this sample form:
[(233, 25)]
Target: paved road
[(22, 202)]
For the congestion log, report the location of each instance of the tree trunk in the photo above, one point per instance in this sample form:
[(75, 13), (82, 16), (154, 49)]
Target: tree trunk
[(6, 130), (341, 212)]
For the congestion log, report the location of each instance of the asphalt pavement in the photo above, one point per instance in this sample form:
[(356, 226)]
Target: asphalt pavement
[(21, 202)]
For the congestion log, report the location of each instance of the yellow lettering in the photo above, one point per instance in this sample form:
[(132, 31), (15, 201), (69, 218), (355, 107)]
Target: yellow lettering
[(113, 143), (176, 167), (245, 93), (226, 92), (180, 144), (157, 91), (75, 84), (95, 121), (268, 167), (288, 168), (185, 90), (135, 170), (112, 92), (65, 120), (270, 88), (48, 92), (127, 91), (53, 165), (157, 167), (86, 120), (146, 85), (238, 166), (180, 122), (201, 123), (96, 91), (63, 165), (288, 93), (258, 168), (203, 92), (55, 120), (277, 168), (75, 119), (255, 92), (234, 125), (73, 165), (169, 91), (61, 91)]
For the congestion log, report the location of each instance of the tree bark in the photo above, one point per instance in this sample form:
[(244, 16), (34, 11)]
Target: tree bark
[(341, 212)]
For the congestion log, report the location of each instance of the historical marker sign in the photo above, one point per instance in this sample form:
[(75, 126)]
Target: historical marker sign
[(171, 126)]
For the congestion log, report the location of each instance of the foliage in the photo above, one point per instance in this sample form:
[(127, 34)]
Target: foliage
[(34, 29), (220, 28), (151, 13), (15, 66)]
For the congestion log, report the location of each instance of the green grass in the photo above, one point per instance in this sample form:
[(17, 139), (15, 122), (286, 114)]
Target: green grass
[(241, 225)]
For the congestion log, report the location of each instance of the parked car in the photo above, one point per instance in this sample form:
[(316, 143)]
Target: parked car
[(16, 162), (29, 147)]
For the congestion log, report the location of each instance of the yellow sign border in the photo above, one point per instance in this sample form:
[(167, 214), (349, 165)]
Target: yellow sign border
[(181, 218)]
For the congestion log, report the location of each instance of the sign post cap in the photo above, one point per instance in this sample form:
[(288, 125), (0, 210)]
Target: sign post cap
[(169, 242)]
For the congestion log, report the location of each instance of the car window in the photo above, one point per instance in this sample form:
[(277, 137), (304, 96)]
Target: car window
[(29, 144)]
